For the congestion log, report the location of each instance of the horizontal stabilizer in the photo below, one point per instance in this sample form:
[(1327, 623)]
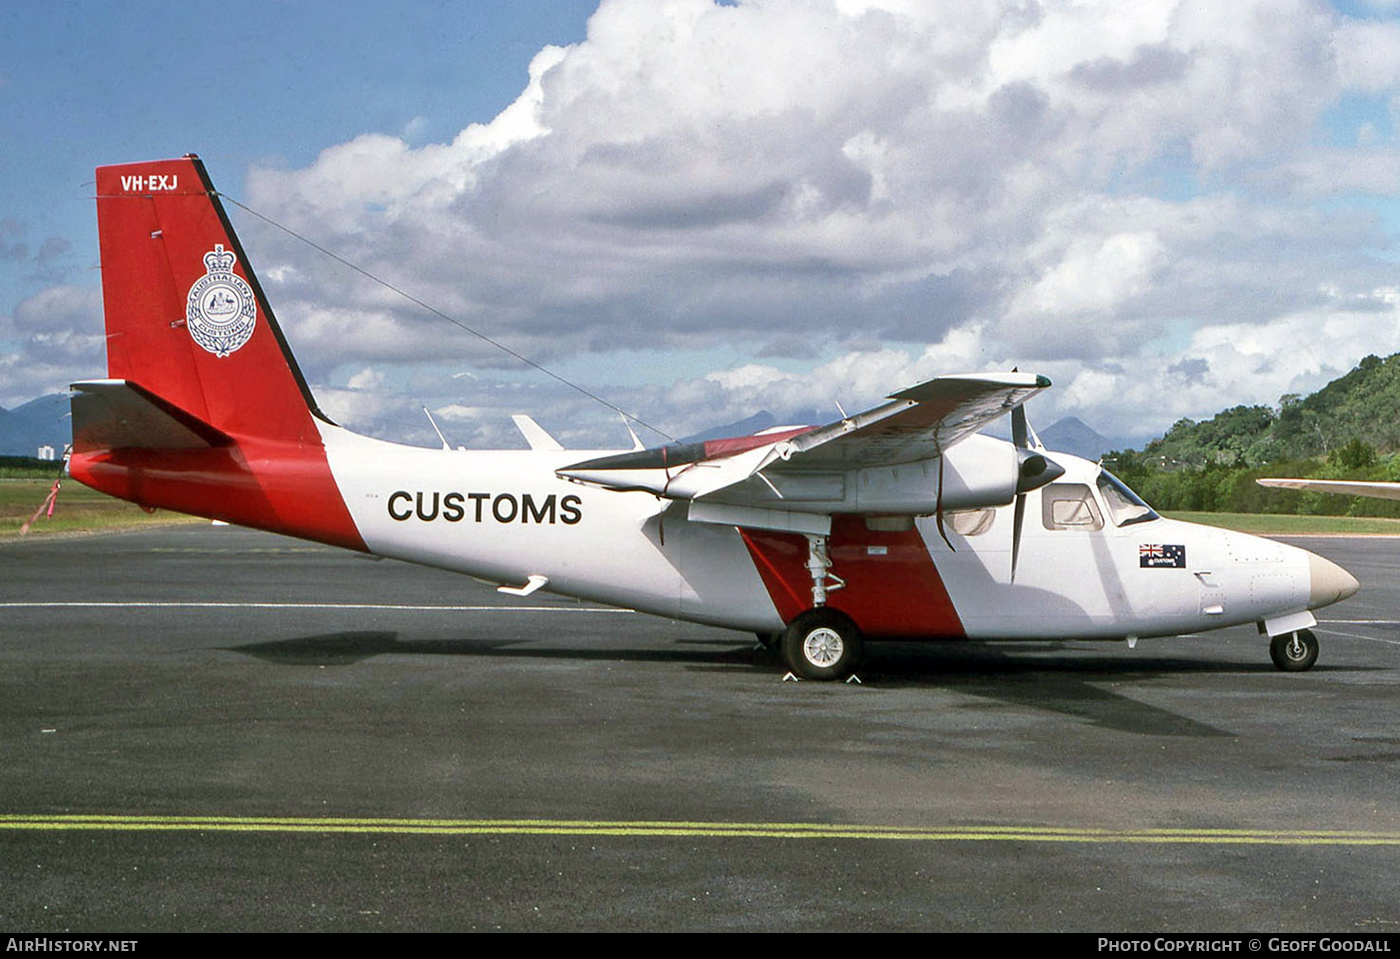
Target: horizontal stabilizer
[(118, 414)]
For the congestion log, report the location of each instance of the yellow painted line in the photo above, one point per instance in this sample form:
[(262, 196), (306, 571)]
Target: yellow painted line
[(716, 830)]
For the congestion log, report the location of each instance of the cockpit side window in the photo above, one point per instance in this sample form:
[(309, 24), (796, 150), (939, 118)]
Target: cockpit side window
[(1124, 506), (1069, 506)]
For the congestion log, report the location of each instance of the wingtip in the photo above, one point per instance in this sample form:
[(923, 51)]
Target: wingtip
[(929, 389)]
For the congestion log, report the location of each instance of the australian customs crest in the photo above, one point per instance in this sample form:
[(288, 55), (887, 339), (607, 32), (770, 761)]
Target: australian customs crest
[(221, 310)]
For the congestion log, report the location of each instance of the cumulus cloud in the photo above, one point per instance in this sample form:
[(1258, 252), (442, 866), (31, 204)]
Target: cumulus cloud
[(50, 340), (840, 198), (41, 265)]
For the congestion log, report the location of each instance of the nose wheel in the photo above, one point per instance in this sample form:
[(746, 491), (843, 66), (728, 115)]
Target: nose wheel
[(1294, 652)]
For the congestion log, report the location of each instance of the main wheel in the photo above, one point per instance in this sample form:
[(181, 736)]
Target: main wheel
[(1294, 652), (822, 644)]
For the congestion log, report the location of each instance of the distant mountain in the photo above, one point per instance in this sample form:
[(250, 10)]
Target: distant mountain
[(41, 422), (761, 420), (1072, 435)]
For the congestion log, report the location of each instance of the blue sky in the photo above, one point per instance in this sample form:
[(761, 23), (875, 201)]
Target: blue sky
[(703, 210), (273, 84)]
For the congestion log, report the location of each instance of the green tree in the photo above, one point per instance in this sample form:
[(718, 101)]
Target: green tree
[(1356, 454)]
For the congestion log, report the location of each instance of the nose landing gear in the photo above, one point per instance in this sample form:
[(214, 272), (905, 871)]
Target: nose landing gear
[(1294, 652)]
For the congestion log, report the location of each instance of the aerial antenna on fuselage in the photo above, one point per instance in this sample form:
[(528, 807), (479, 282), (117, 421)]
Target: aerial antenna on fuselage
[(444, 316), (445, 445), (636, 443)]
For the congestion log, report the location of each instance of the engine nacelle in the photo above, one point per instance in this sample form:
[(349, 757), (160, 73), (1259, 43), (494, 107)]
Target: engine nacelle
[(979, 472)]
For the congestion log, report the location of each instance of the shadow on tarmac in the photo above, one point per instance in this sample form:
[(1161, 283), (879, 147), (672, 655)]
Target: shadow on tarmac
[(1072, 684)]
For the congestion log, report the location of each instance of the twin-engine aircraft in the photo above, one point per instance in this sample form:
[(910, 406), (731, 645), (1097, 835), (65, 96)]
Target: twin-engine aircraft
[(899, 522)]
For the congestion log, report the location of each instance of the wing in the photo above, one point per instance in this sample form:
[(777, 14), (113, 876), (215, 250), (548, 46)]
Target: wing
[(916, 424), (1376, 490)]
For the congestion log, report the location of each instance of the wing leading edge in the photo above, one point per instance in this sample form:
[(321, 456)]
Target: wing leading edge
[(1375, 490)]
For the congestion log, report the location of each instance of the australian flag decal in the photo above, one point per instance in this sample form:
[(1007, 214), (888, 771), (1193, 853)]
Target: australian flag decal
[(1166, 556)]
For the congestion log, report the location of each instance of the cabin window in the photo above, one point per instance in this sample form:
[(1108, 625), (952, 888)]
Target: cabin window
[(1069, 506), (970, 522), (1124, 506)]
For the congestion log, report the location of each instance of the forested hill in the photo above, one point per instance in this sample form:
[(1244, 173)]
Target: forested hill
[(1360, 408), (1349, 429)]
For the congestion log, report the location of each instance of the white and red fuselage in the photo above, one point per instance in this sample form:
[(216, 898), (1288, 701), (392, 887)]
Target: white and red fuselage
[(206, 412), (503, 516)]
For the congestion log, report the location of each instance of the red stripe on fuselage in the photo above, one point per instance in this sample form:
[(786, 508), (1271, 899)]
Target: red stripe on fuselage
[(896, 593), (280, 487)]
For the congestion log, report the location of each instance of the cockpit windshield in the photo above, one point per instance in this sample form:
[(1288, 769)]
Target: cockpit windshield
[(1124, 506)]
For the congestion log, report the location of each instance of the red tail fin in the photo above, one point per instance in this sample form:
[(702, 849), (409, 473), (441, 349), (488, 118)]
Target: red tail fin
[(186, 318), (204, 410)]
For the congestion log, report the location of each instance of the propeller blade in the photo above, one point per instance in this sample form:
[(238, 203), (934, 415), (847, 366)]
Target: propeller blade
[(1033, 470), (1016, 532)]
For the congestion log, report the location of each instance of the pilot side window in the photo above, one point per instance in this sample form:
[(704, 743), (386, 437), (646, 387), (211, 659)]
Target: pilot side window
[(1124, 506), (1069, 506)]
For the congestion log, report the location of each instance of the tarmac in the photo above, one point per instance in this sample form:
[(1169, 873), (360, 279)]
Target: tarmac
[(211, 729)]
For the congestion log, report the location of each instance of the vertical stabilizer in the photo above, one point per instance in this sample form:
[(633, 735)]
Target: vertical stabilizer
[(186, 318), (204, 410)]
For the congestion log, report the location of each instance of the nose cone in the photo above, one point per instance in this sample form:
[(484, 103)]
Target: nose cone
[(1330, 583)]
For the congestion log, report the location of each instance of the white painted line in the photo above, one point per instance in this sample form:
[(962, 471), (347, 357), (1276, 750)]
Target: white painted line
[(1369, 639)]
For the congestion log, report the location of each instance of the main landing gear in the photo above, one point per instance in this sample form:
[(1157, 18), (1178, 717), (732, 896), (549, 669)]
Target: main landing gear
[(822, 643), (1294, 652)]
